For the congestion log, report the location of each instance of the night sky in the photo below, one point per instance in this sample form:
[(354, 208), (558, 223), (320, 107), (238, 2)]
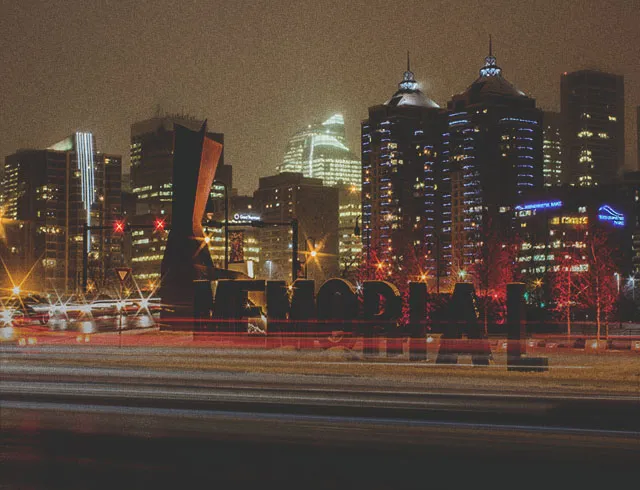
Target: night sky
[(259, 70)]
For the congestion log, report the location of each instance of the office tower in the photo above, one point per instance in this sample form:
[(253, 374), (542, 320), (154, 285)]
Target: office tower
[(151, 182), (552, 149), (320, 151), (52, 194), (592, 108), (349, 230), (401, 155), (494, 155), (288, 195), (638, 134)]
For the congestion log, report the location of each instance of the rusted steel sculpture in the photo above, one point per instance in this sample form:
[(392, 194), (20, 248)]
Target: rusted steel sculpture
[(186, 257)]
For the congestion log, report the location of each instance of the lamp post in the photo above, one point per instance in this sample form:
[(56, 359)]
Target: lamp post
[(311, 253), (356, 228)]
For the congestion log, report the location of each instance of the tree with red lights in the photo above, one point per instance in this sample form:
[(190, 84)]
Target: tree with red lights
[(601, 295), (567, 284), (411, 266), (494, 268), (585, 279)]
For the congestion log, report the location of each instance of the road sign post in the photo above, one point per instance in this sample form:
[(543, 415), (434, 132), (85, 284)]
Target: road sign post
[(123, 274)]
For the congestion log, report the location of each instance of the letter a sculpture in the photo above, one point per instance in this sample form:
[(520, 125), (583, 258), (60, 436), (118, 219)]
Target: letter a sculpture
[(186, 257)]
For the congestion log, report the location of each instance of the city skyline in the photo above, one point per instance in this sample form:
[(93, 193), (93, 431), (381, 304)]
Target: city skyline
[(274, 74)]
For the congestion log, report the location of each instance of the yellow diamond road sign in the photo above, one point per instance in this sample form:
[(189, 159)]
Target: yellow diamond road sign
[(123, 273)]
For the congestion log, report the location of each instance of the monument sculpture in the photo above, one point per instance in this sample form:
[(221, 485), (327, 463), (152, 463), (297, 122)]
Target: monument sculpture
[(187, 260)]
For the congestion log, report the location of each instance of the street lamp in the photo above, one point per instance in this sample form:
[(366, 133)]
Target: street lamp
[(312, 252), (16, 290)]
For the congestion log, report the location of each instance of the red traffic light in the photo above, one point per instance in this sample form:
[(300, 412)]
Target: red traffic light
[(159, 224), (119, 226)]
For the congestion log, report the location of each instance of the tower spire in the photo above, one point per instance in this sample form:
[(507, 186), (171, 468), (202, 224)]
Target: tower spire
[(490, 68), (408, 81)]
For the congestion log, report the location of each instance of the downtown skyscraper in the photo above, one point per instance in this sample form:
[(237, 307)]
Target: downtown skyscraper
[(151, 155), (49, 195), (552, 149), (401, 152), (493, 155), (320, 151), (592, 108)]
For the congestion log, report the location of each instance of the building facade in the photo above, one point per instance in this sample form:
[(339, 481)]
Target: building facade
[(401, 155), (285, 196), (52, 194), (552, 149), (320, 151), (349, 230), (243, 247), (493, 155), (558, 228), (592, 108), (151, 179), (630, 187)]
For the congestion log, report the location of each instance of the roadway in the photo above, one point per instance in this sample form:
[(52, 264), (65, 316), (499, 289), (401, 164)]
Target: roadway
[(70, 423)]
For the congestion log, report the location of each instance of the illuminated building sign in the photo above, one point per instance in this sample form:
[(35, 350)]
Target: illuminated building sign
[(569, 220), (540, 205), (245, 217), (607, 213)]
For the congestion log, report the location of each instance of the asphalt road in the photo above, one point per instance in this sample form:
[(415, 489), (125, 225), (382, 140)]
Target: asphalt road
[(73, 426)]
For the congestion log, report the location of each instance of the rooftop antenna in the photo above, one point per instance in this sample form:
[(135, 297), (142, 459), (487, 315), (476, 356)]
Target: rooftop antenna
[(408, 61), (490, 46)]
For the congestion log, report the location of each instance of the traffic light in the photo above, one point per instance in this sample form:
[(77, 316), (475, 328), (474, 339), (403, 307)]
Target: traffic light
[(119, 226), (158, 225)]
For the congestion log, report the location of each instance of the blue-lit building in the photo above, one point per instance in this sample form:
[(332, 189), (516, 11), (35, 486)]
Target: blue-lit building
[(556, 224), (493, 155), (401, 155)]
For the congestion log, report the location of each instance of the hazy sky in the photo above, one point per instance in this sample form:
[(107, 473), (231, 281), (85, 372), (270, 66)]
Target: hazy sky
[(259, 70)]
